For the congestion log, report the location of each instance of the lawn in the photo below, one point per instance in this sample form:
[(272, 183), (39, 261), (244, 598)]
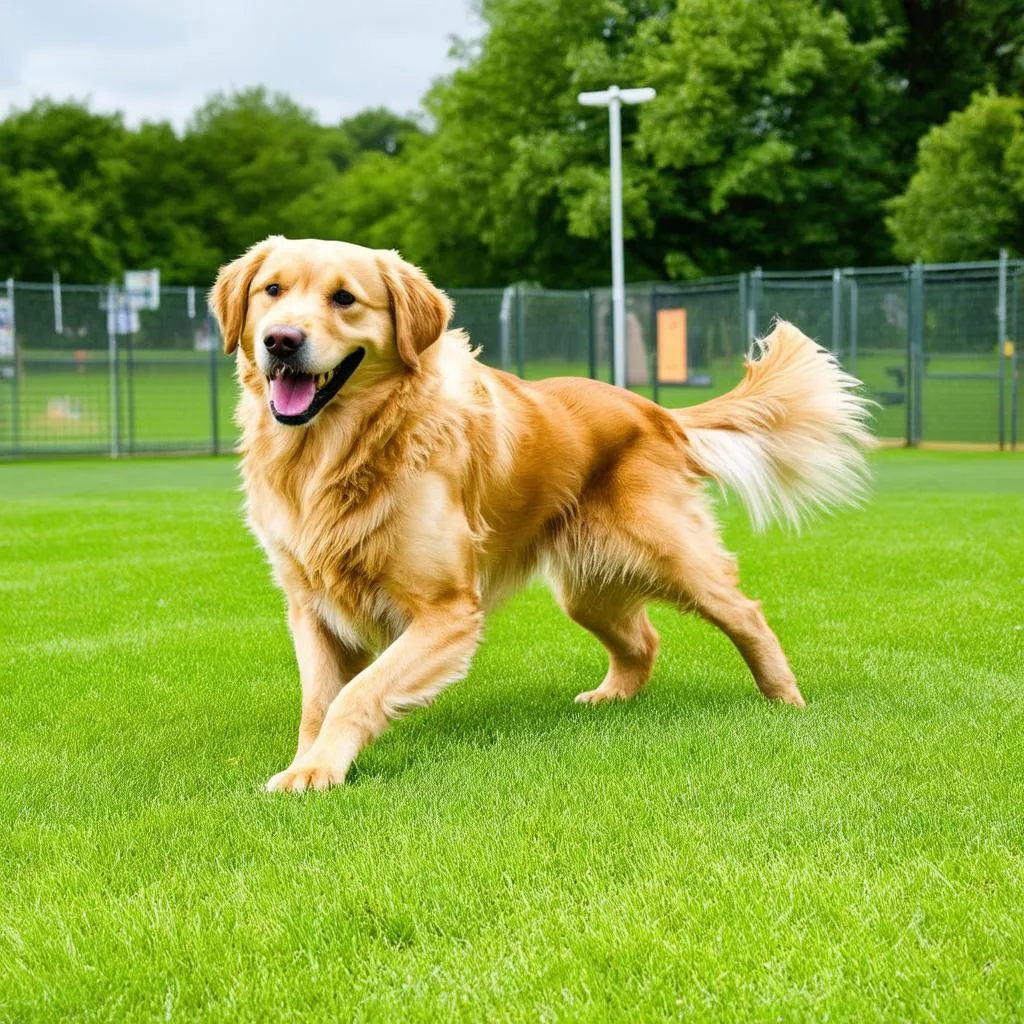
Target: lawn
[(508, 855)]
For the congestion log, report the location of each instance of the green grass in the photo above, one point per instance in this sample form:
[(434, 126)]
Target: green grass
[(168, 404), (507, 855)]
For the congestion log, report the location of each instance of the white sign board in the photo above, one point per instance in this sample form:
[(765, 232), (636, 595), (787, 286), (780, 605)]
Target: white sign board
[(6, 327), (142, 288)]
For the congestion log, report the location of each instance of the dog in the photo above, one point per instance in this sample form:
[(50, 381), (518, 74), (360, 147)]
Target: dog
[(401, 488)]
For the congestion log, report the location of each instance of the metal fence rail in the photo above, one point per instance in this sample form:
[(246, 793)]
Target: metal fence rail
[(81, 371)]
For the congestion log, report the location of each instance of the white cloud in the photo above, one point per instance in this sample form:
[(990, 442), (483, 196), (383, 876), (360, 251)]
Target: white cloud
[(161, 61)]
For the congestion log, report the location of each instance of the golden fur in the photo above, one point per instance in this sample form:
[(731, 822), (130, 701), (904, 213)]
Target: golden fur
[(431, 486)]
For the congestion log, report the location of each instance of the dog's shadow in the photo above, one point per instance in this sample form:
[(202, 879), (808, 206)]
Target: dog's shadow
[(476, 716)]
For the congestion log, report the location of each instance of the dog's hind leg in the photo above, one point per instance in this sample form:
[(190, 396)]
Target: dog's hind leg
[(699, 575), (620, 622), (665, 535), (722, 603)]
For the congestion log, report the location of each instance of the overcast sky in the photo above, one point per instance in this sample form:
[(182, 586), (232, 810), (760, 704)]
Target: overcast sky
[(155, 60)]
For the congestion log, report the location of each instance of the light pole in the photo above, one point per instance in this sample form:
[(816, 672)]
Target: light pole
[(613, 97)]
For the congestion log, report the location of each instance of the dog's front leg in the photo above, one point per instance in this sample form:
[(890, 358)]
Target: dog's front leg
[(326, 664), (435, 650)]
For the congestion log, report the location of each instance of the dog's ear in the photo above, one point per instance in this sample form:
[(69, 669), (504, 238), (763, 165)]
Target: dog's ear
[(229, 296), (419, 311)]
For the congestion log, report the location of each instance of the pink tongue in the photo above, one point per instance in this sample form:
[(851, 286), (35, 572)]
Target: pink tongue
[(292, 396)]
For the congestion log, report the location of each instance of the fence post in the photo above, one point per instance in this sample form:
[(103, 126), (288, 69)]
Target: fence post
[(112, 370), (520, 340), (851, 342), (1014, 371), (505, 327), (591, 339), (837, 284), (743, 310), (754, 297), (920, 365), (652, 360), (1002, 347), (915, 353), (908, 359), (58, 306), (15, 378), (130, 389), (211, 333), (911, 327)]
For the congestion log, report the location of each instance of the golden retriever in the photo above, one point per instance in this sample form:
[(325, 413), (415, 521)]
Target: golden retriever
[(401, 488)]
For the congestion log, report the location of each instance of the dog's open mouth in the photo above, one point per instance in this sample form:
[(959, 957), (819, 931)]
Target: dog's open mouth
[(295, 397)]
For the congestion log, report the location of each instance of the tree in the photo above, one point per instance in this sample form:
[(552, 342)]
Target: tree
[(82, 193), (250, 155), (941, 52), (66, 138), (46, 227), (514, 176), (89, 197), (966, 199), (372, 203), (379, 129), (761, 147), (764, 124), (61, 202), (780, 130), (157, 188)]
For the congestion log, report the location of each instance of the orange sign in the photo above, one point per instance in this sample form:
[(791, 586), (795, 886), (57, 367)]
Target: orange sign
[(672, 346)]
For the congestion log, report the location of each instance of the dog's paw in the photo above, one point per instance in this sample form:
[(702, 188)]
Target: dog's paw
[(600, 695), (792, 698), (299, 777)]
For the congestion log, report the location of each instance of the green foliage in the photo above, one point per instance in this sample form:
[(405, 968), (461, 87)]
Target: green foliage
[(46, 227), (379, 129), (966, 199), (513, 156), (941, 52), (254, 154), (780, 130), (764, 123)]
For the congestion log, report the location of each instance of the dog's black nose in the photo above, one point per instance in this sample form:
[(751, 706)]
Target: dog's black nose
[(283, 339)]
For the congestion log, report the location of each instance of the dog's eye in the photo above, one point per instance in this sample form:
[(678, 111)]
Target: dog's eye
[(343, 298), (273, 290)]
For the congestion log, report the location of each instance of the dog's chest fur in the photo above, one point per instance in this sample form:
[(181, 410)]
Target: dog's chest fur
[(348, 513), (334, 552)]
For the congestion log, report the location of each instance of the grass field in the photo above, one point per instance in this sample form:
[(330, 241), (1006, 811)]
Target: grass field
[(508, 855), (166, 402)]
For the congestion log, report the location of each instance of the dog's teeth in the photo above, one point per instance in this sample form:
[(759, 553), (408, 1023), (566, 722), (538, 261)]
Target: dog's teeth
[(328, 375), (321, 380)]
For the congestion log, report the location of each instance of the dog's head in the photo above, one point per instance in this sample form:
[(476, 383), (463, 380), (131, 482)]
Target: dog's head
[(314, 318)]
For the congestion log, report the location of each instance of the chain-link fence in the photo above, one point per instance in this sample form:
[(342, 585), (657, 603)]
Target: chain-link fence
[(82, 369), (88, 372)]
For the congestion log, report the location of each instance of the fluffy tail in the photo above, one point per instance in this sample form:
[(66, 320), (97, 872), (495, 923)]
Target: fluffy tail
[(789, 438)]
